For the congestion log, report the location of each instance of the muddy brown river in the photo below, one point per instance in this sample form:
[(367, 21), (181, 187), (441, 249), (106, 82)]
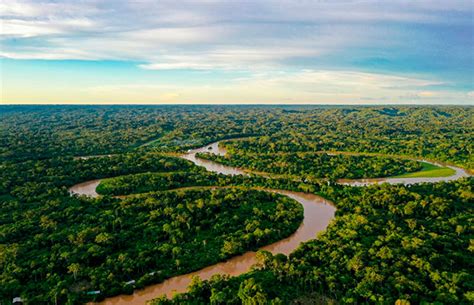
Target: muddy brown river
[(318, 212)]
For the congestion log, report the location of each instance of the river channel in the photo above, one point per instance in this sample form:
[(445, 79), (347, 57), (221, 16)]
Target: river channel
[(318, 212)]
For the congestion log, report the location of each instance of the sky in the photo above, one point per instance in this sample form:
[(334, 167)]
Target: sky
[(238, 52)]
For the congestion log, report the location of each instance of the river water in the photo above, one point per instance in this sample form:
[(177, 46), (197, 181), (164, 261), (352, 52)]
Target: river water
[(458, 173), (86, 188), (318, 212)]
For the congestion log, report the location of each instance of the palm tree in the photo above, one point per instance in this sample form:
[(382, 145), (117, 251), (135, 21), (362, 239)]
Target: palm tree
[(74, 269)]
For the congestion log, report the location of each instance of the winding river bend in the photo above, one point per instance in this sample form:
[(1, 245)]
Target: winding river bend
[(318, 212)]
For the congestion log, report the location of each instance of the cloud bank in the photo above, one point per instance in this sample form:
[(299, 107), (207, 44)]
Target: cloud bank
[(361, 42)]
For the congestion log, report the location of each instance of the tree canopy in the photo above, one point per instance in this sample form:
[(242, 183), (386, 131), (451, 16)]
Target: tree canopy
[(388, 244)]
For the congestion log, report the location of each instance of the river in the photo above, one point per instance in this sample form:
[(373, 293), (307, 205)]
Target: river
[(318, 212), (458, 173)]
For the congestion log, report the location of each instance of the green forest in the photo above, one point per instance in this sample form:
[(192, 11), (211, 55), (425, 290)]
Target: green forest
[(318, 165), (441, 133), (76, 245), (387, 245), (160, 215)]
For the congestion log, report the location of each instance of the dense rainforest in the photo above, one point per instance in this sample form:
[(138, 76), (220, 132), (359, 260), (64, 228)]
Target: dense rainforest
[(387, 244), (36, 132), (317, 165), (76, 245)]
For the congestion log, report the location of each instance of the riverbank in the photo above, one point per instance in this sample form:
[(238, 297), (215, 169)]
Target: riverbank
[(318, 212)]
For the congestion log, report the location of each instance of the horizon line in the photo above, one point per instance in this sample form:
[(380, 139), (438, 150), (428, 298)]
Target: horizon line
[(231, 104)]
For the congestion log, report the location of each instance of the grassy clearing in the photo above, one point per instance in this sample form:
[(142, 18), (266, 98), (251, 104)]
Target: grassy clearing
[(429, 170)]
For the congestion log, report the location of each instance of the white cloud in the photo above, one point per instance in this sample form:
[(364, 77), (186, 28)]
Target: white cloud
[(21, 28), (57, 54), (19, 8), (334, 81), (273, 41), (322, 86), (45, 9), (232, 57), (173, 36), (206, 31)]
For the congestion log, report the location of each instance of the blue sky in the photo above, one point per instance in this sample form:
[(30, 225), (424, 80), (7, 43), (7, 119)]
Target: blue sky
[(295, 52)]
